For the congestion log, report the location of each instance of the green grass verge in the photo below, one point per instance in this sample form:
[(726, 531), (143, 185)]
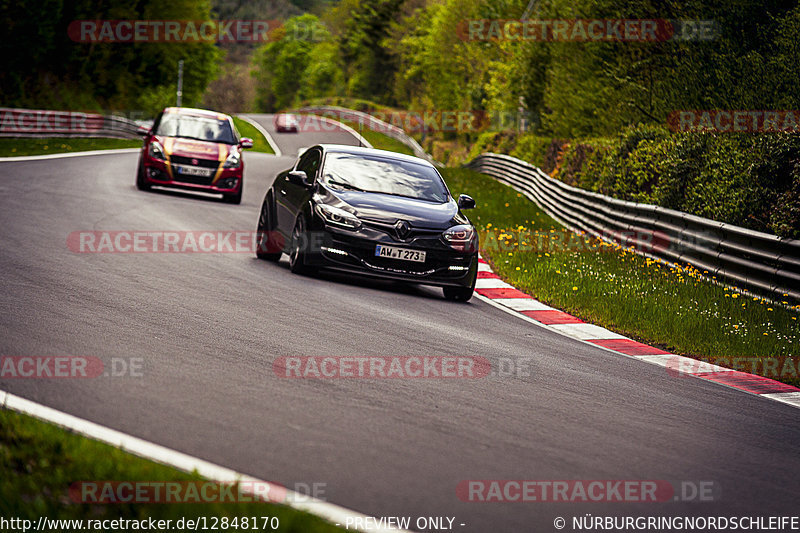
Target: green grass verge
[(672, 308), (358, 104), (381, 141), (40, 461), (246, 129), (10, 147)]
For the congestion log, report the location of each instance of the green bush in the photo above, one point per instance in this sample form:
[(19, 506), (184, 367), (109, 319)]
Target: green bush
[(743, 179), (531, 148), (485, 143)]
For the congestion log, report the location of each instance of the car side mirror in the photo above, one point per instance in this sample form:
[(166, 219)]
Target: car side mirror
[(143, 132), (466, 202), (246, 142), (299, 177)]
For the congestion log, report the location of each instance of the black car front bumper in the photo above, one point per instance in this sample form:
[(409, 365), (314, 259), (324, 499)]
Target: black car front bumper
[(355, 252)]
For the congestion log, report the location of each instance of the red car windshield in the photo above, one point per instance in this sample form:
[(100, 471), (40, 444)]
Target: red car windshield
[(195, 127)]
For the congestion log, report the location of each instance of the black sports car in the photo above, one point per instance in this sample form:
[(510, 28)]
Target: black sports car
[(373, 212)]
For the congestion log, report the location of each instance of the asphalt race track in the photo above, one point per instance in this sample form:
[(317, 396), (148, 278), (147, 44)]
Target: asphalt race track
[(208, 326)]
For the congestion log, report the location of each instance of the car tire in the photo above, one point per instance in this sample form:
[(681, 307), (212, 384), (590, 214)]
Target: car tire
[(141, 184), (297, 254), (265, 230), (458, 294)]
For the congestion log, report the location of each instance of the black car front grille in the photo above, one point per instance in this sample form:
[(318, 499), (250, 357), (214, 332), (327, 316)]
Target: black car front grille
[(409, 234), (195, 162)]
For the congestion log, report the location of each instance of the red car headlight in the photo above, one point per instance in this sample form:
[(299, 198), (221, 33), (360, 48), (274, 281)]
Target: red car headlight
[(156, 151), (234, 160)]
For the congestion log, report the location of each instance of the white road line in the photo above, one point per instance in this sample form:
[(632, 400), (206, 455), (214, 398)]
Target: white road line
[(523, 304), (491, 283), (263, 132), (181, 461), (346, 128), (665, 360), (512, 312), (683, 365), (68, 154), (587, 331), (790, 398)]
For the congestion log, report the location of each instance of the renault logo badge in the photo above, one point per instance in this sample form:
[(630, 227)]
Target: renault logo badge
[(402, 228)]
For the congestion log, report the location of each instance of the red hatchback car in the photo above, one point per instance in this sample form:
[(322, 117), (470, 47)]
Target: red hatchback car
[(193, 149), (286, 122)]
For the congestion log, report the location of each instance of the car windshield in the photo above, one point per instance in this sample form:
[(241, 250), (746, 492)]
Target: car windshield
[(195, 127), (385, 175)]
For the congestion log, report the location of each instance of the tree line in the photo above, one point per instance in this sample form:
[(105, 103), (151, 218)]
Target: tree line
[(45, 67), (417, 54)]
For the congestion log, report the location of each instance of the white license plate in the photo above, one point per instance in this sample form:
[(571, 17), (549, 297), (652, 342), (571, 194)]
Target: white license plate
[(194, 171), (403, 254)]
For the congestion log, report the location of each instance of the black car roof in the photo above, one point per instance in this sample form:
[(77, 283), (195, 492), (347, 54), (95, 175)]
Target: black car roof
[(363, 150)]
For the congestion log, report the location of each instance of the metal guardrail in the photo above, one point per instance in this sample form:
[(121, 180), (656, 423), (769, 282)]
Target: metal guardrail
[(751, 260), (365, 119), (45, 123)]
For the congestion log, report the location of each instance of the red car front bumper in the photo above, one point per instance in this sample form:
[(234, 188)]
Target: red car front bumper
[(204, 175)]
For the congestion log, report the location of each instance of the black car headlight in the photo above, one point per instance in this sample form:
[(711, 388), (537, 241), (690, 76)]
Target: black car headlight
[(156, 151), (338, 217), (234, 160), (462, 238)]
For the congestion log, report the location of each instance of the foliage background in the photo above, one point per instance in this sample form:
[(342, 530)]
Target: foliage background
[(598, 110)]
